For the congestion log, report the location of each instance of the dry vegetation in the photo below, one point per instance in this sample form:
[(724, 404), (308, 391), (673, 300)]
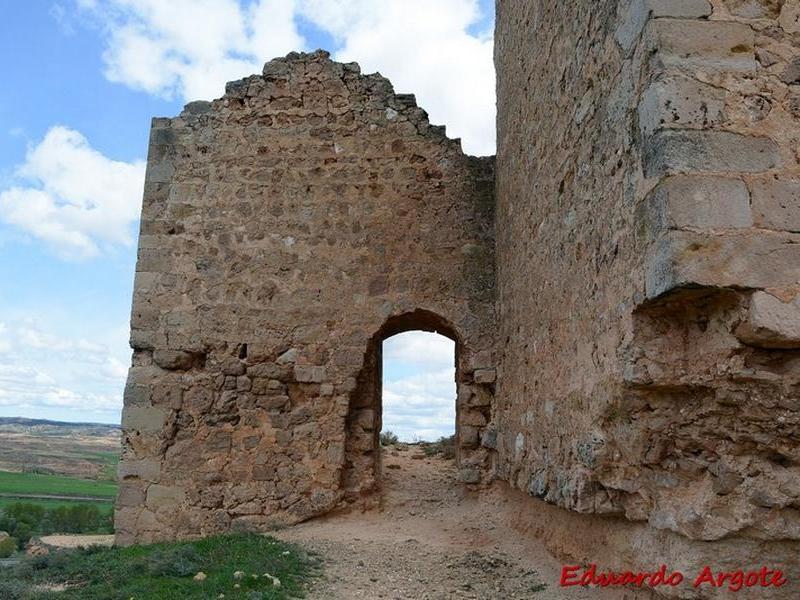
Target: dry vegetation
[(84, 451)]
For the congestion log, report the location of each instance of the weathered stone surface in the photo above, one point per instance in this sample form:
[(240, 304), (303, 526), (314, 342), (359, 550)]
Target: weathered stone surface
[(144, 419), (697, 202), (288, 228), (144, 469), (680, 102), (164, 496), (485, 376), (749, 259), (776, 204), (130, 494), (627, 251), (790, 16), (686, 151), (309, 374), (691, 9), (173, 359), (625, 348), (771, 323), (702, 45), (754, 9)]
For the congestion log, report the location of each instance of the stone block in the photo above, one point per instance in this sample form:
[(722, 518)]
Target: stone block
[(468, 476), (473, 418), (309, 374), (144, 469), (144, 419), (776, 204), (130, 494), (748, 259), (754, 9), (288, 357), (125, 520), (687, 151), (485, 376), (159, 172), (174, 359), (268, 370), (168, 395), (771, 323), (680, 102), (632, 17), (707, 46), (468, 436), (687, 9), (789, 18), (164, 496), (696, 202), (136, 394)]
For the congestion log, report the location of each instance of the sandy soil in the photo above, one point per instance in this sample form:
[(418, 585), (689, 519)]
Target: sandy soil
[(432, 539), (76, 541)]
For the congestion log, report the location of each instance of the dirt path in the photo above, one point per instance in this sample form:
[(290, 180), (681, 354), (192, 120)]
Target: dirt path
[(432, 540), (76, 541)]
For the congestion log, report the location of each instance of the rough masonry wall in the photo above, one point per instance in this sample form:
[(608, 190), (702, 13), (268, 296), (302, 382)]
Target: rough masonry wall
[(649, 267), (287, 227)]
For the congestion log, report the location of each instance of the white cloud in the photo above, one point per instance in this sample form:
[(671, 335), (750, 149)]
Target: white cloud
[(190, 48), (424, 47), (41, 371), (73, 197), (419, 386)]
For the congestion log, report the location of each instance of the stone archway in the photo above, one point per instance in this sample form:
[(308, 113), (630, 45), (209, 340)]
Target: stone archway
[(362, 470)]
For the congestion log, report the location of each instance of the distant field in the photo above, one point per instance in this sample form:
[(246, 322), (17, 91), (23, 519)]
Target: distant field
[(77, 450), (105, 506), (34, 483)]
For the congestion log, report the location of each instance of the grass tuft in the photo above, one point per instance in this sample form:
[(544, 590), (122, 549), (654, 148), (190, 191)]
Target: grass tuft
[(166, 571)]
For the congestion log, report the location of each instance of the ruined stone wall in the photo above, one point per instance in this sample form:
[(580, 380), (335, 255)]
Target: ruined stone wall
[(287, 228), (648, 270)]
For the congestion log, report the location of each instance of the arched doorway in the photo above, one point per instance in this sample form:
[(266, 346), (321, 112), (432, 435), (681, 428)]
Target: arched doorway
[(362, 470), (419, 390)]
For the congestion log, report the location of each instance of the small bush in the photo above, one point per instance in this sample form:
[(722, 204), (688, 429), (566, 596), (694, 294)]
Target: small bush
[(445, 447), (389, 439), (12, 589), (7, 547), (174, 562)]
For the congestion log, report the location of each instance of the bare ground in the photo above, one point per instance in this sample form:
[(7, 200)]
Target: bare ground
[(431, 539)]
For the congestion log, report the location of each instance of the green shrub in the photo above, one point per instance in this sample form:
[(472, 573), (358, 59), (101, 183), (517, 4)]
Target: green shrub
[(7, 547), (24, 519), (389, 439), (445, 446), (174, 562), (12, 589)]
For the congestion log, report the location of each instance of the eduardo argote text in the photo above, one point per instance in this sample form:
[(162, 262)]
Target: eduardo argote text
[(706, 577)]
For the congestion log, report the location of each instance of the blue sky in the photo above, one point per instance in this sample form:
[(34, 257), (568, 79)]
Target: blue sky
[(82, 79)]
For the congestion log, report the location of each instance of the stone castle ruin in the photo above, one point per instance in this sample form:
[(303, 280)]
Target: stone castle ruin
[(622, 283)]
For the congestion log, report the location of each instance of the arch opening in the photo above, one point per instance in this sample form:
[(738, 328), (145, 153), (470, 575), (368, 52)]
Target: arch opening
[(419, 388), (361, 475)]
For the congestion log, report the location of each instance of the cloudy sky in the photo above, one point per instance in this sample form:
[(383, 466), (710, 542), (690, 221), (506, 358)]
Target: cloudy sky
[(82, 78)]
